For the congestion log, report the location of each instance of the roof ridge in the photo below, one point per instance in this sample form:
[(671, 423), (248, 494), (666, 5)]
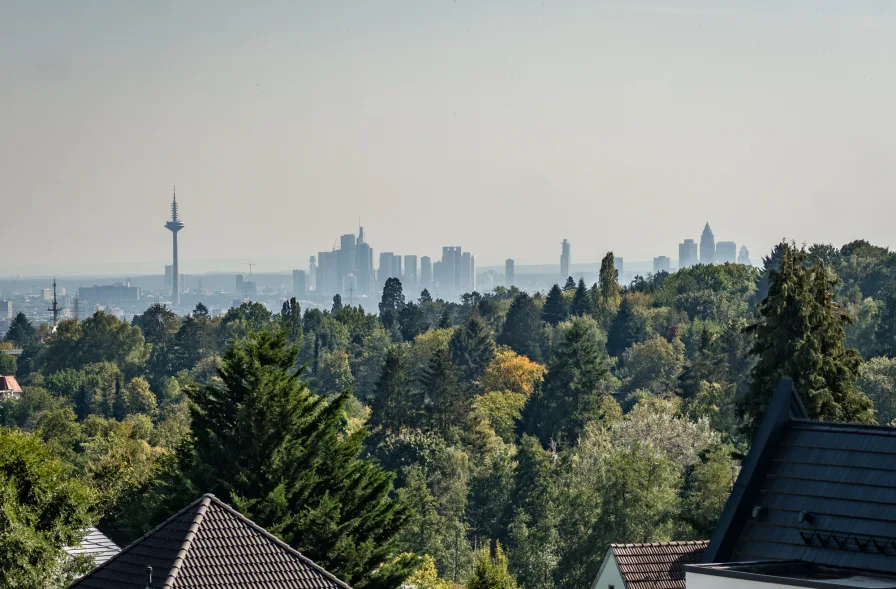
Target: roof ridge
[(137, 541), (204, 502), (669, 543), (881, 428), (280, 543)]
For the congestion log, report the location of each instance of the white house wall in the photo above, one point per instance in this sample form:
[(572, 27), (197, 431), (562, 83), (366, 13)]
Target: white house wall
[(698, 581), (609, 574)]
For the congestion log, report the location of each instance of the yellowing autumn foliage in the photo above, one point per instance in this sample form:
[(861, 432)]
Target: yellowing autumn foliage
[(511, 372)]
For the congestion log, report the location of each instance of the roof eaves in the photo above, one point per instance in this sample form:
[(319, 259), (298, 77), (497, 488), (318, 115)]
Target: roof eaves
[(136, 542), (782, 409), (204, 502), (278, 542)]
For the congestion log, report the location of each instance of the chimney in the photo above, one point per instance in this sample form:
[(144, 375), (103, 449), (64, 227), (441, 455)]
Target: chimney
[(148, 577)]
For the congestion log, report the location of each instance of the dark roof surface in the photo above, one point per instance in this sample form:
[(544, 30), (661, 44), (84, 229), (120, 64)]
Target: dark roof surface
[(209, 544), (96, 545), (656, 565), (823, 493)]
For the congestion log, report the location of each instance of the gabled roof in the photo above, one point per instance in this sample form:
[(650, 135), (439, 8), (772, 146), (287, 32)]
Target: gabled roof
[(656, 565), (815, 492), (95, 545), (209, 544), (9, 383)]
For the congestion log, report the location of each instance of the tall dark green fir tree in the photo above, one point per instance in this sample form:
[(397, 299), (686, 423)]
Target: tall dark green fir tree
[(581, 300), (280, 454), (555, 309), (397, 403), (472, 348), (570, 284), (799, 334), (522, 327), (446, 404)]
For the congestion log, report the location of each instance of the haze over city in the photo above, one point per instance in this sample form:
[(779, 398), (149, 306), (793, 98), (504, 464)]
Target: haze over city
[(618, 126)]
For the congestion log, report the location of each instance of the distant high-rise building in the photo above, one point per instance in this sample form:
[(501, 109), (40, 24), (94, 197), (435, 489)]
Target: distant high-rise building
[(328, 282), (726, 251), (169, 277), (467, 273), (661, 264), (390, 267), (312, 272), (175, 225), (5, 310), (449, 275), (619, 264), (298, 283), (744, 256), (707, 246), (345, 257), (509, 277), (240, 286), (565, 260), (396, 266), (47, 294), (363, 265), (109, 293), (687, 253), (425, 272), (410, 272)]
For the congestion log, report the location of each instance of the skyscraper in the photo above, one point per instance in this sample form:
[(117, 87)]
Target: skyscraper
[(726, 251), (707, 246), (175, 225), (565, 261), (169, 276), (425, 272), (239, 286), (345, 256), (449, 273), (744, 256), (509, 277), (298, 283), (410, 272), (363, 265), (390, 267), (328, 282), (312, 272), (467, 273), (619, 264), (661, 264), (687, 253)]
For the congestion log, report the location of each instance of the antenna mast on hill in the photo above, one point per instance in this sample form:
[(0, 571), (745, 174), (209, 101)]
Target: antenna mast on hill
[(55, 308)]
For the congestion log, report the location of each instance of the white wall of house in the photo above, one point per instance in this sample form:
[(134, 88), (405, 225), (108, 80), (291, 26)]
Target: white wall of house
[(609, 574), (698, 581)]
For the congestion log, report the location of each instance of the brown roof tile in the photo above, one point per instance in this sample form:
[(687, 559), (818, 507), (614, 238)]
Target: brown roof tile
[(209, 544), (9, 383), (656, 565)]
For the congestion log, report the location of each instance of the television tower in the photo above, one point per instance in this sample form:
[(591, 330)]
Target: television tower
[(175, 225), (55, 307)]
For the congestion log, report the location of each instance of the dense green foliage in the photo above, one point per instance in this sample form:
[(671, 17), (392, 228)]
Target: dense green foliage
[(504, 440)]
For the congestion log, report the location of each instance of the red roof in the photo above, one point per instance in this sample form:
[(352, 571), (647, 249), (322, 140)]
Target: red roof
[(8, 383), (656, 565)]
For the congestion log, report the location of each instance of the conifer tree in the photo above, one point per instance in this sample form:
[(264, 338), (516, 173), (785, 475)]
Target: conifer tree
[(581, 301), (21, 332), (337, 304), (555, 309), (280, 454), (425, 297), (624, 328), (397, 402), (291, 320), (472, 348), (799, 334), (445, 406), (522, 327), (445, 320), (570, 284), (576, 380), (708, 364)]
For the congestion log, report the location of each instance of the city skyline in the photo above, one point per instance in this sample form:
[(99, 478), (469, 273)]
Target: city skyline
[(275, 123)]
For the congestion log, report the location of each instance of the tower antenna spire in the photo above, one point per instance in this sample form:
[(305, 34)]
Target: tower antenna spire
[(55, 307), (174, 225)]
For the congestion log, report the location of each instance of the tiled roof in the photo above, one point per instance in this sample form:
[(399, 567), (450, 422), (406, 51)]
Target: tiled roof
[(656, 565), (209, 544), (9, 383), (96, 545)]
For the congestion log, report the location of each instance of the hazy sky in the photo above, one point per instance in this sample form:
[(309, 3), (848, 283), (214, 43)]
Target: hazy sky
[(502, 126)]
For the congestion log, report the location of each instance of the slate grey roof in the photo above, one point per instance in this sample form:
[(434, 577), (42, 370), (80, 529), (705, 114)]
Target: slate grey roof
[(656, 565), (815, 492), (96, 545), (209, 544)]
